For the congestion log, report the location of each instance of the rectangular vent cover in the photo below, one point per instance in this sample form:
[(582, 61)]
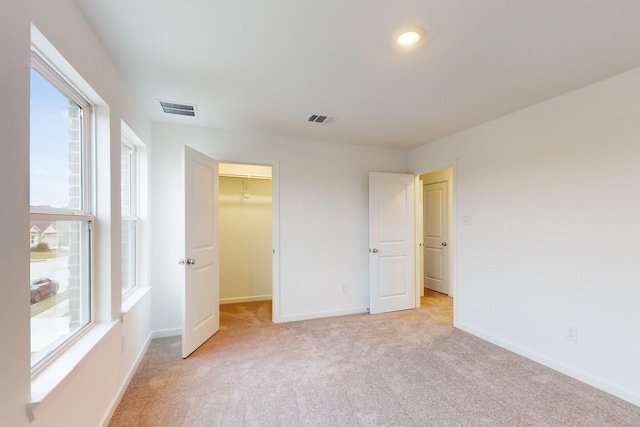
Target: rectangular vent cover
[(179, 109), (316, 118)]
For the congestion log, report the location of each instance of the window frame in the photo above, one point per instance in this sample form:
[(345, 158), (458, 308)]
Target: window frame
[(85, 213), (134, 208)]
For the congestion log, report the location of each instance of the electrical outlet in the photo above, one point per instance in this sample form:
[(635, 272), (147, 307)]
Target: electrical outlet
[(466, 219), (344, 289), (571, 333)]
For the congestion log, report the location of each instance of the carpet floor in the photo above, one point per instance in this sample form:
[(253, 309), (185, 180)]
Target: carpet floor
[(407, 368)]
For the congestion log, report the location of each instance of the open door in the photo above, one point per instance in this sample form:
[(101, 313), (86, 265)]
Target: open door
[(391, 239), (201, 311)]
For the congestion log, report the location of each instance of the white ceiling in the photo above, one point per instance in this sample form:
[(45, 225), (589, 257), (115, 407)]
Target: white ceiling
[(266, 65)]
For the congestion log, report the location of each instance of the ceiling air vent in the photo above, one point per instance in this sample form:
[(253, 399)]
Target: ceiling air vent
[(179, 109), (316, 118)]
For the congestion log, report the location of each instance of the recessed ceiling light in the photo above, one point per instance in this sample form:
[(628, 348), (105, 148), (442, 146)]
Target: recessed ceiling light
[(410, 36)]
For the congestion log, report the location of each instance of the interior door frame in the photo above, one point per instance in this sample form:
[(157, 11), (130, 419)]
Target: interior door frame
[(275, 224), (453, 231)]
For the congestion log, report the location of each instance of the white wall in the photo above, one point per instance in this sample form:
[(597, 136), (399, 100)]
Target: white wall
[(323, 190), (97, 380), (554, 196), (245, 239)]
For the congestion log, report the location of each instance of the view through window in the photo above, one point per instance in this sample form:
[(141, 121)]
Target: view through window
[(60, 228)]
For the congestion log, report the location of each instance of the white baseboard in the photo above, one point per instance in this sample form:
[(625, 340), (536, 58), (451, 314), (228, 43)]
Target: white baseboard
[(320, 314), (587, 378), (245, 299), (125, 383)]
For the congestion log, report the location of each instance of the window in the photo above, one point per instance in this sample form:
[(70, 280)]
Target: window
[(128, 185), (61, 212)]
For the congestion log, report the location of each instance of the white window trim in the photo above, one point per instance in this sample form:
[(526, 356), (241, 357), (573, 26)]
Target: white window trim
[(58, 369), (133, 214), (133, 294), (83, 213)]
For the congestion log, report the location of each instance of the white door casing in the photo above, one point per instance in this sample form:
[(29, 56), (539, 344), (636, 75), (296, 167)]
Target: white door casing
[(419, 243), (436, 237), (201, 310), (391, 237)]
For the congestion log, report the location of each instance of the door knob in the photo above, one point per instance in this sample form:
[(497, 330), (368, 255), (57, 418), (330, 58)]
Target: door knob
[(374, 250), (444, 243), (191, 261)]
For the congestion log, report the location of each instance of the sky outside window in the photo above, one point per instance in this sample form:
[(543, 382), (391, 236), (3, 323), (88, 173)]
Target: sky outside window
[(50, 133)]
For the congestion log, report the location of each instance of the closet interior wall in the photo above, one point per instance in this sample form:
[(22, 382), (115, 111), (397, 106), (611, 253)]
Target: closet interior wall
[(245, 209)]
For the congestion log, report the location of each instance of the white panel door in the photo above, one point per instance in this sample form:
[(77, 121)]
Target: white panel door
[(391, 237), (201, 311), (436, 236)]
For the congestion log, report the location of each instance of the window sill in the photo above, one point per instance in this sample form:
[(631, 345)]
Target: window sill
[(46, 381), (132, 298)]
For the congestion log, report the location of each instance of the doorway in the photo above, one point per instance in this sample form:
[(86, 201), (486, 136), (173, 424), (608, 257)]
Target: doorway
[(436, 236), (437, 232), (246, 232)]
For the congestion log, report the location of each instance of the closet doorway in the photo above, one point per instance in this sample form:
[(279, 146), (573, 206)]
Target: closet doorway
[(246, 232), (437, 227)]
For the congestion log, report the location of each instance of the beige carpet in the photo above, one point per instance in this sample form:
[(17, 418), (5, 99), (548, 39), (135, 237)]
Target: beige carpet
[(409, 368)]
